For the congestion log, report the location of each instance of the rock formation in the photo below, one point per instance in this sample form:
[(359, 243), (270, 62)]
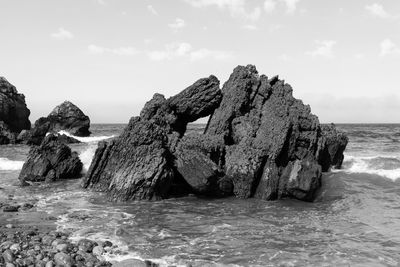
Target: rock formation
[(259, 142), (50, 161), (14, 115), (66, 116)]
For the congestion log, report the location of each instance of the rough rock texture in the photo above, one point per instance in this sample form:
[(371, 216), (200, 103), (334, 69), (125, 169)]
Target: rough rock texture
[(66, 116), (139, 164), (332, 145), (14, 115), (259, 142), (50, 161)]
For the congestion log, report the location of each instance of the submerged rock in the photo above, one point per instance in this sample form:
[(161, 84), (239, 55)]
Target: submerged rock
[(14, 114), (65, 117), (259, 142), (50, 161)]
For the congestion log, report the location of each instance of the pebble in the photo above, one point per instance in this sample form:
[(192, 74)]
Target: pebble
[(98, 250), (8, 256), (63, 259), (9, 226), (11, 208)]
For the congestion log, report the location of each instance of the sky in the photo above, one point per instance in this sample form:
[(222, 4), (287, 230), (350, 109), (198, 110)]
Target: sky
[(110, 56)]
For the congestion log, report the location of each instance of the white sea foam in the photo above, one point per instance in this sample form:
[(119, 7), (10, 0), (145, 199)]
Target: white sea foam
[(10, 165), (87, 156), (386, 166), (90, 139)]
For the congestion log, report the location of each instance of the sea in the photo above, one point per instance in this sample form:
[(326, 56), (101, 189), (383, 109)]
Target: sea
[(355, 220)]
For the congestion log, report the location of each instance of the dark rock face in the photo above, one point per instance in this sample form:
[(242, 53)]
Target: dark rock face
[(14, 115), (66, 116), (332, 145), (50, 161), (259, 142), (139, 164)]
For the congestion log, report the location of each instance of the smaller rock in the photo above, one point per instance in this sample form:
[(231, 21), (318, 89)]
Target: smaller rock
[(15, 247), (86, 245), (8, 256), (98, 250), (9, 226), (50, 264), (62, 247), (63, 259), (11, 208)]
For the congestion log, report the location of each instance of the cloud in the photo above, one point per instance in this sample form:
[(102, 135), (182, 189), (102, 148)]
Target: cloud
[(62, 34), (269, 6), (389, 48), (177, 24), (185, 50), (235, 7), (101, 2), (378, 11), (249, 27), (120, 51), (291, 5), (152, 10), (324, 49)]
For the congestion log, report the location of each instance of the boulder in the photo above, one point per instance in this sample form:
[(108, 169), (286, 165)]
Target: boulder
[(14, 114), (259, 142), (65, 117), (139, 164), (50, 161)]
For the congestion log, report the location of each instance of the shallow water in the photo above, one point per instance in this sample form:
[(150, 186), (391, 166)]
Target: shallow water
[(355, 220)]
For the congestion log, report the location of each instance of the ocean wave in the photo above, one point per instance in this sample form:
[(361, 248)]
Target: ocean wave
[(87, 156), (90, 139), (385, 166), (10, 165)]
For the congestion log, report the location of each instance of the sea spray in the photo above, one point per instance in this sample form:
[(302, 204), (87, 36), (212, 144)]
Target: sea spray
[(90, 139), (10, 165)]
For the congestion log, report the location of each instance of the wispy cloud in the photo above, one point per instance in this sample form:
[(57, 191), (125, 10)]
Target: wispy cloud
[(177, 24), (269, 6), (120, 51), (185, 50), (152, 10), (377, 10), (249, 27), (323, 49), (237, 8), (291, 5), (389, 48), (62, 34)]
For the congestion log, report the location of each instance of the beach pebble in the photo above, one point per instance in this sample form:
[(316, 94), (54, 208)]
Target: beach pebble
[(98, 250), (47, 240), (15, 247), (86, 245), (9, 226), (5, 245), (11, 208), (63, 259), (62, 247), (8, 264), (50, 264), (8, 256)]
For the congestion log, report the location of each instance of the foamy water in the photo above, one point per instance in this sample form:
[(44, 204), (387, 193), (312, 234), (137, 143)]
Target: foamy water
[(354, 222), (10, 165), (89, 139)]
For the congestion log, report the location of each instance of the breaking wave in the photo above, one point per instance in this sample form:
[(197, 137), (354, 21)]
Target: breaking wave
[(386, 166), (87, 156), (90, 139), (10, 165)]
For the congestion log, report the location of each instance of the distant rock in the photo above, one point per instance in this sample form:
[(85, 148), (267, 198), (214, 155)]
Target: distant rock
[(50, 161), (14, 115), (259, 142), (66, 117)]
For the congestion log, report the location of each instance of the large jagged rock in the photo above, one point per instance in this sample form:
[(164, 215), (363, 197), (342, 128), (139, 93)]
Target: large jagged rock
[(66, 117), (139, 164), (50, 161), (259, 142), (14, 115)]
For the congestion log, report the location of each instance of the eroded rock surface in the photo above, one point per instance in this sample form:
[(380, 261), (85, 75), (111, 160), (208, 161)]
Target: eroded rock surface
[(14, 114), (50, 161), (259, 142)]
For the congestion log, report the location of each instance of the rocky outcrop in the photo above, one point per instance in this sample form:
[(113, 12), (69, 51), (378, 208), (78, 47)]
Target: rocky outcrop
[(14, 115), (66, 117), (332, 146), (50, 161), (259, 142), (139, 164)]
